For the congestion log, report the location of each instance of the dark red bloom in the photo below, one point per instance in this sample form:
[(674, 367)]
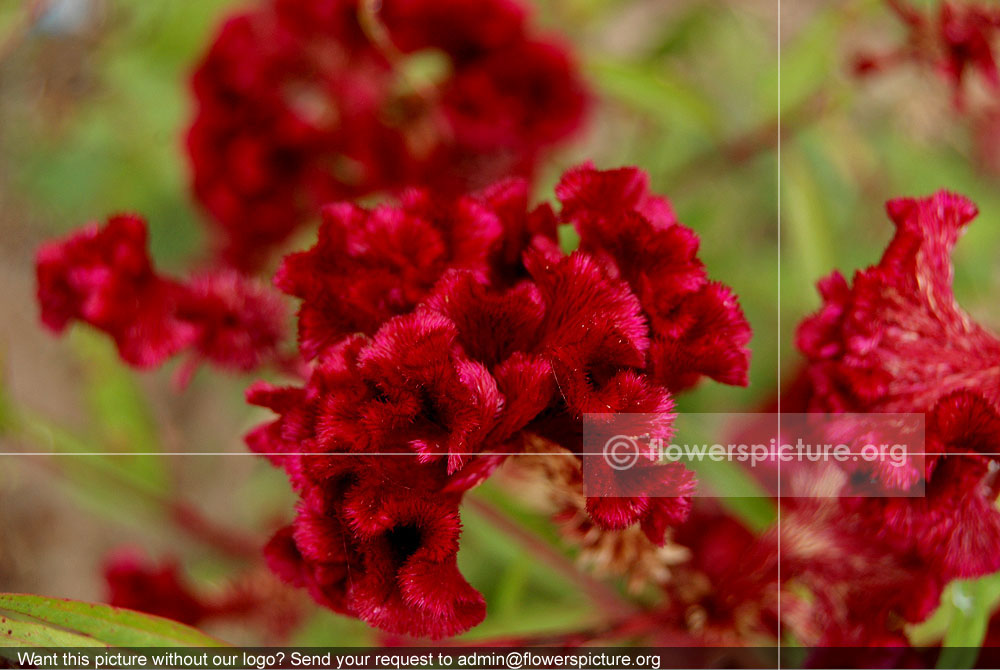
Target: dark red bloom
[(136, 584), (592, 330), (421, 390), (654, 496), (840, 584), (726, 592), (255, 597), (968, 33), (103, 276), (370, 265), (486, 105), (960, 37), (958, 41), (302, 103), (697, 326), (465, 30), (239, 322), (955, 526), (896, 341), (376, 538), (449, 333), (865, 590)]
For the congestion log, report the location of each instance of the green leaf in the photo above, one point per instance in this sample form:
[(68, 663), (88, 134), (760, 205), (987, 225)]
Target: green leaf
[(511, 588), (806, 220), (657, 91), (325, 628), (810, 58), (972, 603), (569, 239), (685, 32), (121, 412), (17, 633), (58, 622)]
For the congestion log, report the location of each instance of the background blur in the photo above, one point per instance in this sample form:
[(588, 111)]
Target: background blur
[(93, 103)]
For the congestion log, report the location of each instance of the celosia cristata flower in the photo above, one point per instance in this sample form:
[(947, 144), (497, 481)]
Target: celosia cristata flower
[(103, 276), (303, 103), (135, 583), (855, 571), (726, 592), (959, 38), (449, 333), (896, 341), (138, 583), (958, 41)]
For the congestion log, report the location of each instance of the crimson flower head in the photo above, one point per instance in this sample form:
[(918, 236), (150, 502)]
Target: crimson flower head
[(161, 588), (959, 42), (895, 340), (103, 276), (957, 39), (238, 322), (365, 269), (303, 103), (135, 583), (696, 327), (448, 333), (968, 33)]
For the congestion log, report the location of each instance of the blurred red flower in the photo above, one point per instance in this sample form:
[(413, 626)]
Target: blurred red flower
[(303, 103), (137, 584), (959, 38), (103, 276)]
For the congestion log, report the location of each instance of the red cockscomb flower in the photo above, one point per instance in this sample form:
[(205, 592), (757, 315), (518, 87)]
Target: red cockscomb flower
[(959, 42), (103, 276), (449, 333), (302, 103), (136, 584), (370, 265), (377, 539), (160, 588), (896, 341), (696, 325), (865, 590), (968, 33), (238, 321), (726, 592), (958, 39)]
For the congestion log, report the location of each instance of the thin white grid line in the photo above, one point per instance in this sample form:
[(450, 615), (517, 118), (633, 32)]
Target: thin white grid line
[(778, 338), (289, 453), (700, 459)]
